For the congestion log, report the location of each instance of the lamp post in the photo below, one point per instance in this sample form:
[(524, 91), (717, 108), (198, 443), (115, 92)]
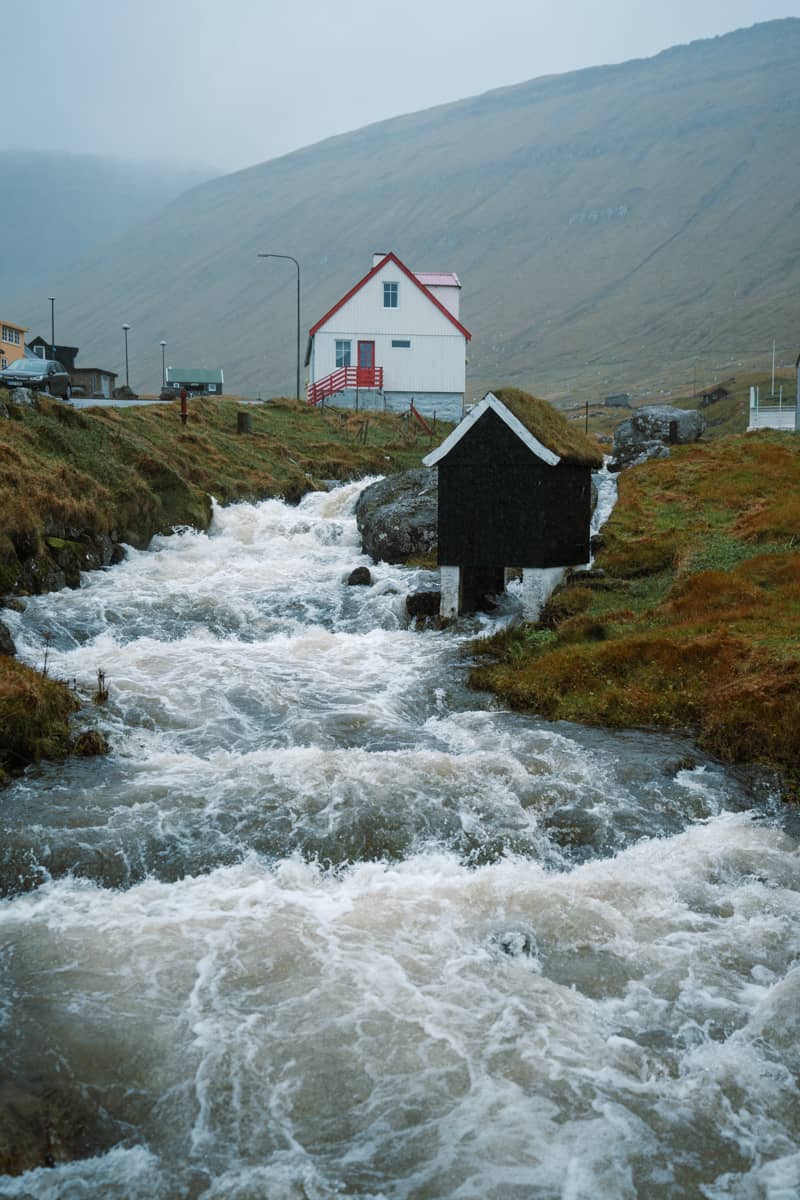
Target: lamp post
[(163, 365), (125, 329), (52, 300), (289, 258)]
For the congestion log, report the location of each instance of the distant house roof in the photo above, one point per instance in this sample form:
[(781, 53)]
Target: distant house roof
[(438, 278), (40, 341), (194, 375), (93, 371), (717, 390), (536, 423), (391, 257)]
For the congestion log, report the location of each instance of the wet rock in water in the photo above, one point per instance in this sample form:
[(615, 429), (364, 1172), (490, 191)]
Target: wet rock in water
[(6, 641), (398, 516), (360, 577), (12, 603), (45, 1124), (516, 943), (572, 827), (423, 604), (90, 743)]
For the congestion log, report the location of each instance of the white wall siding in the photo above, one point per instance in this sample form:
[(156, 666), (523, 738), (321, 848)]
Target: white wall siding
[(450, 297), (772, 418), (433, 362), (365, 311)]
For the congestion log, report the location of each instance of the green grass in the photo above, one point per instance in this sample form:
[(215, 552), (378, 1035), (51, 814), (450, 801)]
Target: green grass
[(694, 626)]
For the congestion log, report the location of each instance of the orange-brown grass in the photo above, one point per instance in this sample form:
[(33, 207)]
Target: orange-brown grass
[(34, 716), (695, 626)]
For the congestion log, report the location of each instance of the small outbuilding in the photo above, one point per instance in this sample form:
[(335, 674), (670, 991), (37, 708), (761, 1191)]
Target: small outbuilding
[(514, 492), (66, 355), (95, 382), (713, 394), (197, 380)]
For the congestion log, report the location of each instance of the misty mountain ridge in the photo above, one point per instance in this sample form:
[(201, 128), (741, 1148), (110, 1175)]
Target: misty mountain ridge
[(56, 207), (613, 228)]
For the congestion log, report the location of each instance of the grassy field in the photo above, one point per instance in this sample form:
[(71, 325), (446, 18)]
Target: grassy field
[(73, 483), (723, 417), (693, 626)]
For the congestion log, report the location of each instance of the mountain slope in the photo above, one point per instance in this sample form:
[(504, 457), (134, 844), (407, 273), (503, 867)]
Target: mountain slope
[(610, 227), (56, 207)]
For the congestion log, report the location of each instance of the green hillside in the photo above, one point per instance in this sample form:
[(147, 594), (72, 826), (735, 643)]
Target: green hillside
[(614, 229)]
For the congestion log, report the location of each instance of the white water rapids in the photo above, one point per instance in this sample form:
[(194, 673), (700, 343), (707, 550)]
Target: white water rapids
[(326, 924)]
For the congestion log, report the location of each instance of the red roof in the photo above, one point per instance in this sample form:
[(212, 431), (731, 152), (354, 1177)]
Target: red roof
[(410, 275), (438, 278)]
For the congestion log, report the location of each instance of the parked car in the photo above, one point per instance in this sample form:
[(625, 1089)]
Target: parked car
[(43, 375)]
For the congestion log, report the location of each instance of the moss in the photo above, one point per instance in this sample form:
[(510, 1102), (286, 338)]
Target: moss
[(695, 626), (551, 428), (34, 716)]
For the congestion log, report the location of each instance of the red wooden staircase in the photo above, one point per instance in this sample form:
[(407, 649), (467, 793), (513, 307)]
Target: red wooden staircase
[(341, 380)]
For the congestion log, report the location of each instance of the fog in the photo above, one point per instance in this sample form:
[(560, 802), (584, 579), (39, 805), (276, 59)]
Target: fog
[(230, 85)]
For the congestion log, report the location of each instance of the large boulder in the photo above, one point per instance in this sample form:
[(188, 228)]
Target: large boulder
[(398, 516), (649, 432)]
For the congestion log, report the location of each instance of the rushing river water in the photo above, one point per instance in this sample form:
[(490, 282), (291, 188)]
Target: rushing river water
[(327, 924)]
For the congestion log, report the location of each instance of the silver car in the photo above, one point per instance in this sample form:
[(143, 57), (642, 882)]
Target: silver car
[(43, 375)]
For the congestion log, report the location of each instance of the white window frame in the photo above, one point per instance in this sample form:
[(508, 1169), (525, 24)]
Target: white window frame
[(388, 294), (343, 347)]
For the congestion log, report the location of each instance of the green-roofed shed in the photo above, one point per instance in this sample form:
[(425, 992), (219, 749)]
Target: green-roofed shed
[(198, 381), (514, 492)]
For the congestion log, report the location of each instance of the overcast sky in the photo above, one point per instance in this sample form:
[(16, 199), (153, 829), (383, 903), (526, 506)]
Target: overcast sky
[(234, 83)]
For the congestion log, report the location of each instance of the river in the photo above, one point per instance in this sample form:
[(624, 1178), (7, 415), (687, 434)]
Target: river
[(328, 924)]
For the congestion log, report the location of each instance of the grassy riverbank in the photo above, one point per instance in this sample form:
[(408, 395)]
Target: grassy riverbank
[(74, 484), (693, 626)]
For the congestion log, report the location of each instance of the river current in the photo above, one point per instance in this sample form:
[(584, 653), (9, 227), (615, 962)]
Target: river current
[(328, 924)]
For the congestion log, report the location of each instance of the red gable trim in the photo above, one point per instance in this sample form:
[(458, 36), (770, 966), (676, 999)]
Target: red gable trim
[(409, 275)]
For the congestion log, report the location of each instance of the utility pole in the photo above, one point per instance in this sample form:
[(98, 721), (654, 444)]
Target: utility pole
[(52, 300)]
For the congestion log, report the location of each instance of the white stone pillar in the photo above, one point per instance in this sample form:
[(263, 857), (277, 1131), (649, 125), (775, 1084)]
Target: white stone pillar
[(450, 584), (538, 585)]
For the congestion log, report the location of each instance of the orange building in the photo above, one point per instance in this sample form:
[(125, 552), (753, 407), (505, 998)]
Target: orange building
[(12, 342)]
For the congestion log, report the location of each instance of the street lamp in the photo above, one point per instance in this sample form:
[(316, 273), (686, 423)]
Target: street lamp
[(52, 300), (125, 329), (289, 258), (163, 365)]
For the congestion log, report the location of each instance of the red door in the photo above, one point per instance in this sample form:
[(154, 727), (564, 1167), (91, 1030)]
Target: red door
[(366, 364)]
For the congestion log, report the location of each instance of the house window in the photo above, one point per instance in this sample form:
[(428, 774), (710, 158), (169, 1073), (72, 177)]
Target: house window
[(390, 295), (38, 351), (212, 387), (10, 335), (343, 354), (401, 343)]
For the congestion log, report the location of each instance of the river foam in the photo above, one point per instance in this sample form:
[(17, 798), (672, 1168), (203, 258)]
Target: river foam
[(328, 924)]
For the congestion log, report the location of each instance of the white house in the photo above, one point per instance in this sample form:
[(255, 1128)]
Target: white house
[(393, 338)]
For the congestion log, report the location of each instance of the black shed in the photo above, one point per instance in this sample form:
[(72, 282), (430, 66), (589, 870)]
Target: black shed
[(514, 491)]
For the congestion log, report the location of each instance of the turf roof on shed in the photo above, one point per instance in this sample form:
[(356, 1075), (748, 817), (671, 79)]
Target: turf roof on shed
[(550, 428)]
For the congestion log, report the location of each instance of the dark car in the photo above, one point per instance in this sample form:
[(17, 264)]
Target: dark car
[(43, 375)]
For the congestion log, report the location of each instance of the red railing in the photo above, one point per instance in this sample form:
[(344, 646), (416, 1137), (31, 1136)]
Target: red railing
[(416, 413), (345, 377)]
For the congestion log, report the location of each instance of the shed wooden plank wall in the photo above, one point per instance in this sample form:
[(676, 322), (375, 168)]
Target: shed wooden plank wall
[(499, 505)]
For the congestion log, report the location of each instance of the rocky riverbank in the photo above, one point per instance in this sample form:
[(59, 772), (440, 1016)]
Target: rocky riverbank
[(76, 486)]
